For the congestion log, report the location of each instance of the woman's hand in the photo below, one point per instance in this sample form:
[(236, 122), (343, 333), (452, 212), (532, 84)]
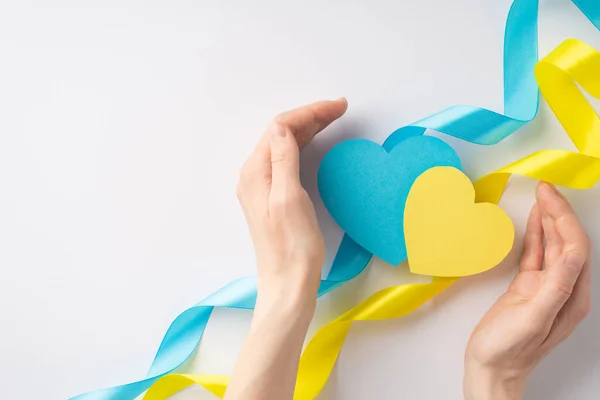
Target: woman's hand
[(281, 217), (548, 298), (289, 251)]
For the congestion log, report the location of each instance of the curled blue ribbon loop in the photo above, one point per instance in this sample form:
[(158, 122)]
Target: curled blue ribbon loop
[(472, 124)]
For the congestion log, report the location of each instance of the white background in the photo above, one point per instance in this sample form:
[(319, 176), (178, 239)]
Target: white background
[(123, 125)]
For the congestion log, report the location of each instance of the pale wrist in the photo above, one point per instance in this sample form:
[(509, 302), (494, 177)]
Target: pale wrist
[(293, 303), (299, 310), (482, 383), (293, 288)]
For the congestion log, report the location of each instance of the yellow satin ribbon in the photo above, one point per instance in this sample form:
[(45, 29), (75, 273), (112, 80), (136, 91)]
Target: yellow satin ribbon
[(557, 74)]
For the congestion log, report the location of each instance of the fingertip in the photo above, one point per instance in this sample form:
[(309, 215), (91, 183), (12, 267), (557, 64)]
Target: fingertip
[(305, 122), (277, 130), (333, 109), (535, 213), (550, 200), (544, 191), (534, 222), (344, 102)]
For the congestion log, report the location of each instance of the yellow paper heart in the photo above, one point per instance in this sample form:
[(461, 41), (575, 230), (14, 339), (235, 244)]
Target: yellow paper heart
[(447, 234)]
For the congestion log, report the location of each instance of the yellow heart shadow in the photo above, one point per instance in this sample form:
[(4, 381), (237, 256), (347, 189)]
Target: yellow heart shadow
[(447, 233)]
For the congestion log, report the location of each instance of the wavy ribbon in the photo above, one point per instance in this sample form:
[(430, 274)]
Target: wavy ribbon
[(571, 62)]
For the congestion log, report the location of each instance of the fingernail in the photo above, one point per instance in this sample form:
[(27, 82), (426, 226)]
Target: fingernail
[(575, 259), (278, 131)]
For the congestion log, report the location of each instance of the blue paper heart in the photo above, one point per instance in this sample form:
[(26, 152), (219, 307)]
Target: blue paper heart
[(365, 188)]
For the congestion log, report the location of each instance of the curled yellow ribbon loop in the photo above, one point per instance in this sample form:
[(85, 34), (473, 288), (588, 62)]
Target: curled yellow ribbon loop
[(557, 74)]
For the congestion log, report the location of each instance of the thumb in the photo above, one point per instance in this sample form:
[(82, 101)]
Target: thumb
[(285, 157)]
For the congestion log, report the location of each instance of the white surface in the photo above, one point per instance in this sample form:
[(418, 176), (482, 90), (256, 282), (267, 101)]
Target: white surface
[(123, 124)]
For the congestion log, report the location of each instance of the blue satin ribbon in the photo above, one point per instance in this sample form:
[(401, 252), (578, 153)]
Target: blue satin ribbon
[(591, 9), (472, 124)]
